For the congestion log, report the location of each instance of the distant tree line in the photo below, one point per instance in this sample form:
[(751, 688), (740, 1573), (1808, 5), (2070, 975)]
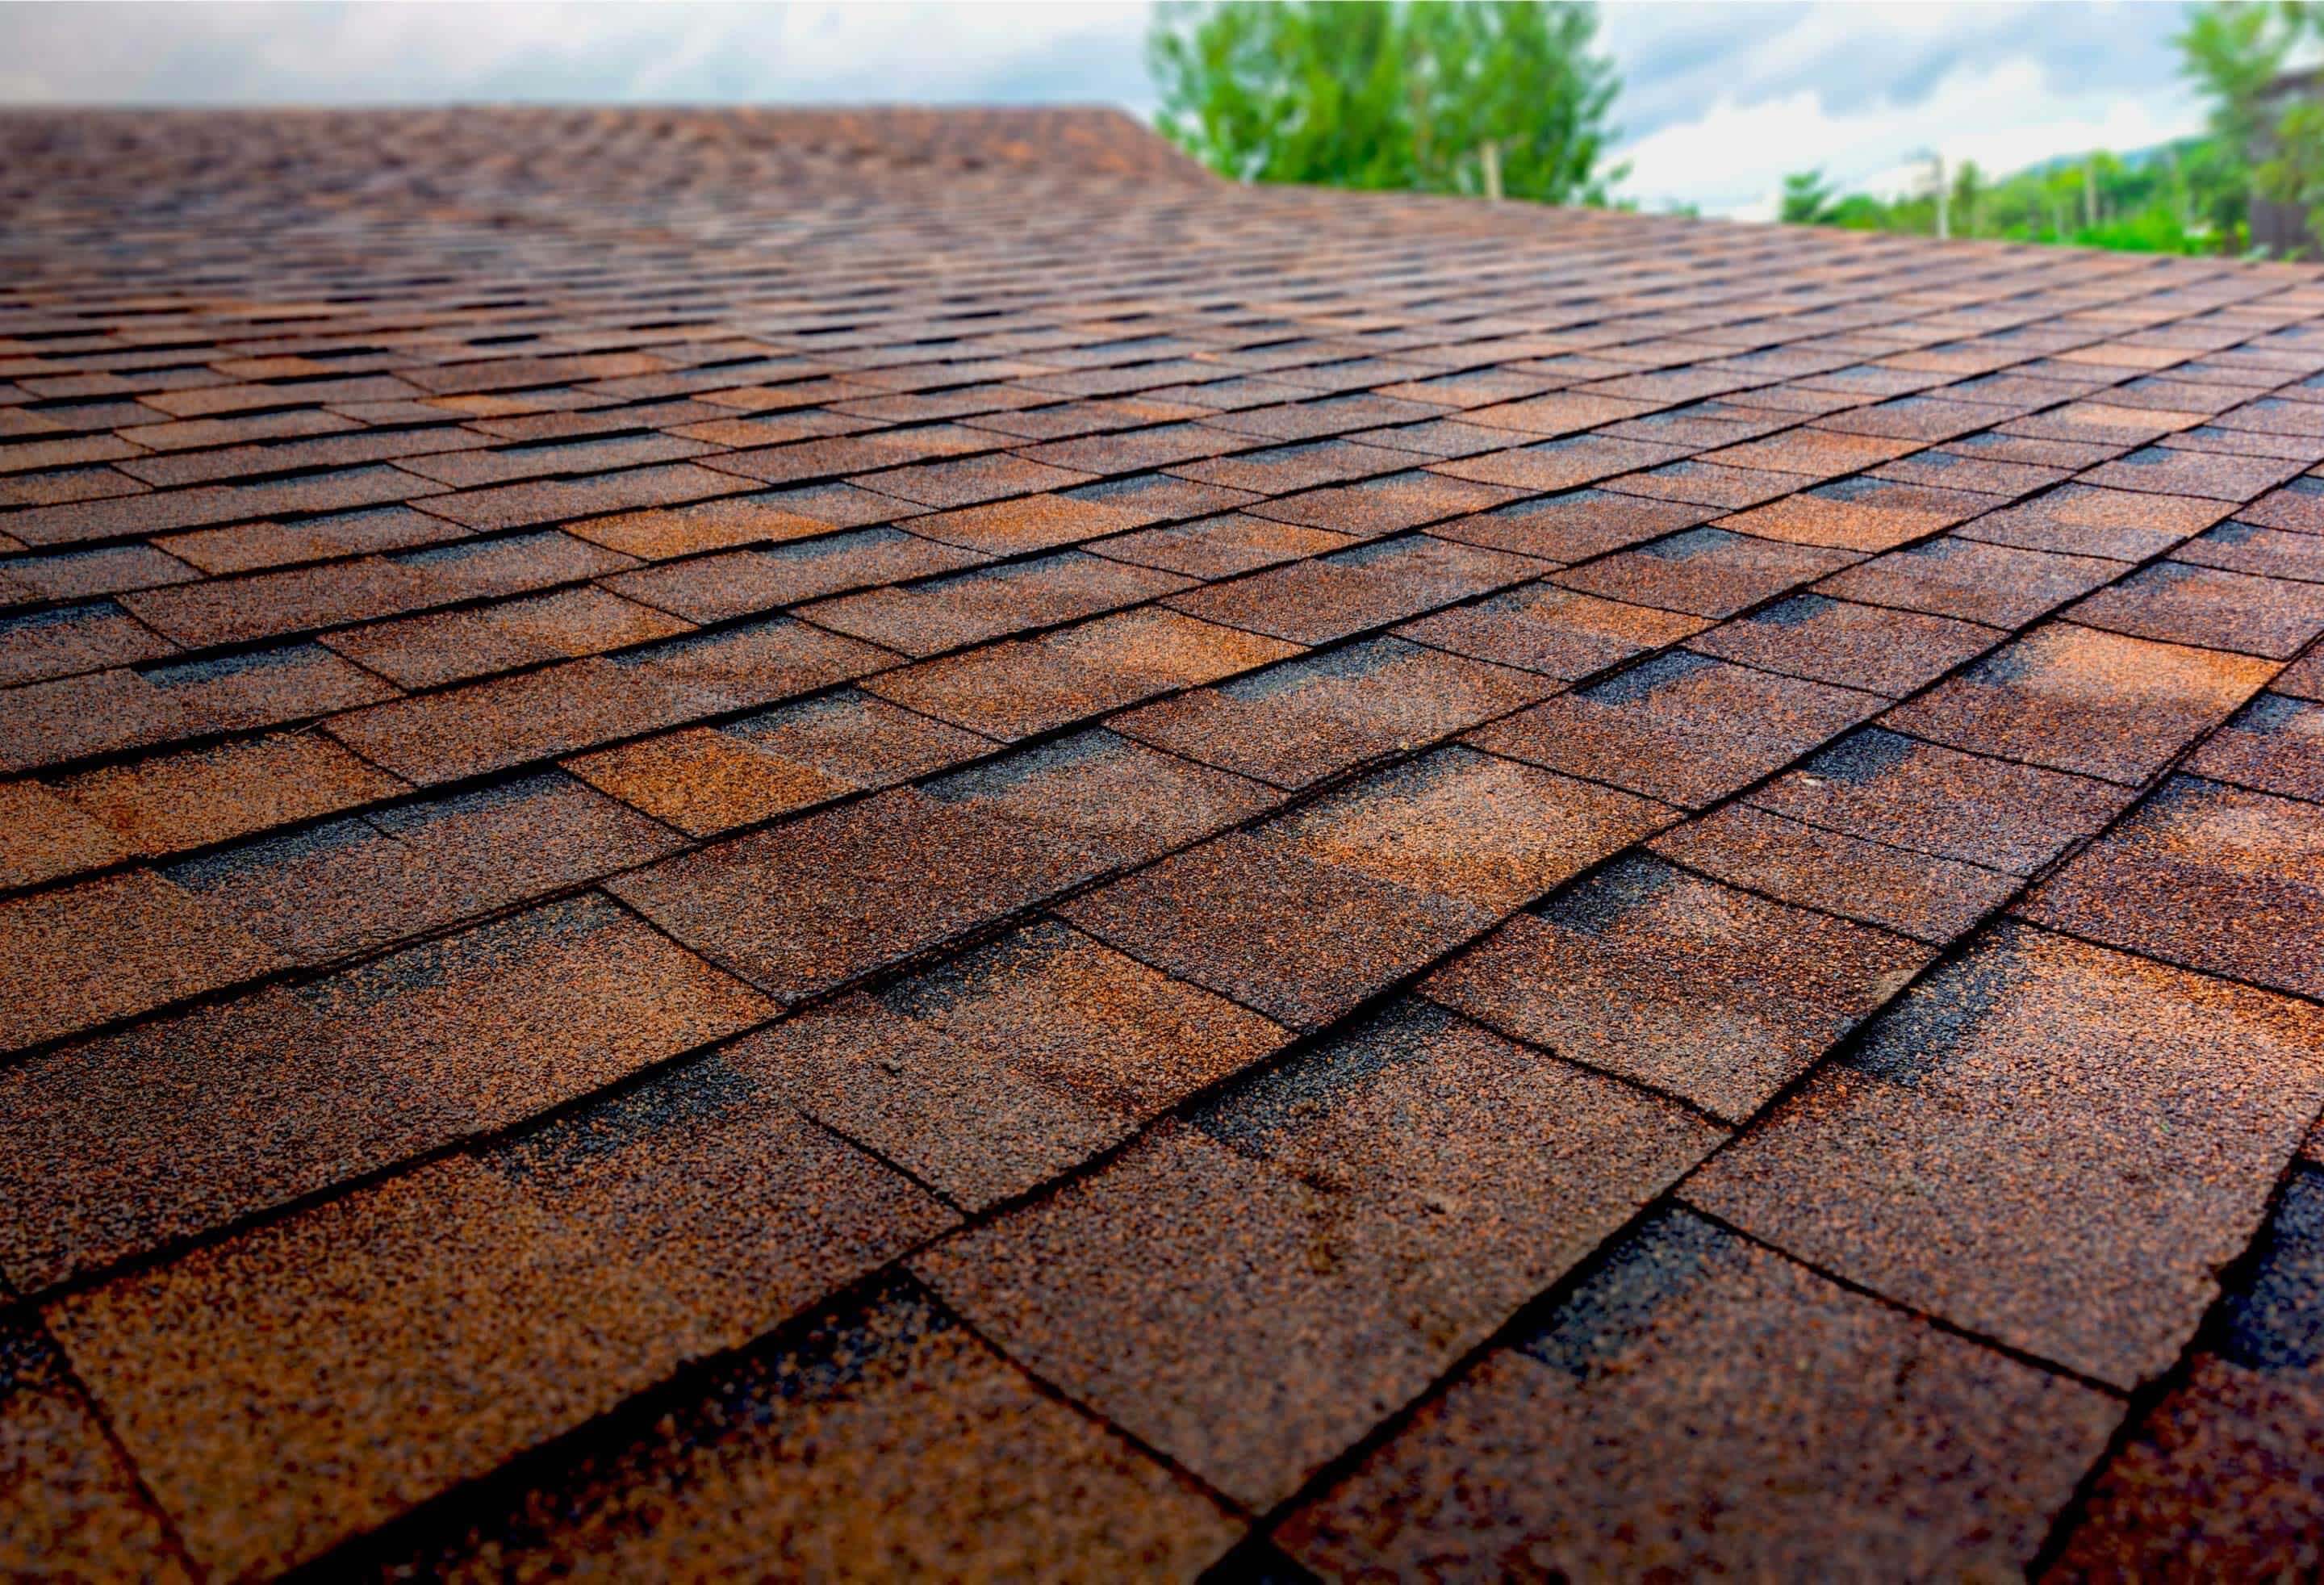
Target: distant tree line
[(2265, 141)]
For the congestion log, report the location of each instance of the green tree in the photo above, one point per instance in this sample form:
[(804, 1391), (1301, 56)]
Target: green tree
[(1423, 95), (2235, 51), (1967, 199), (1807, 198)]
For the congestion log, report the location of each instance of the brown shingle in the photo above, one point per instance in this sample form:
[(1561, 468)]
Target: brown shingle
[(2048, 1143), (1682, 728), (1694, 987), (1203, 1291), (341, 1077), (890, 1440), (2209, 876), (2073, 698), (1654, 1425), (83, 954), (1897, 790), (1874, 647), (72, 1508), (315, 1377), (1307, 719)]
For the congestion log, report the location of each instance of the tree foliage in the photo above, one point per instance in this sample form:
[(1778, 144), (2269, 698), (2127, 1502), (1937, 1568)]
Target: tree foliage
[(1431, 96)]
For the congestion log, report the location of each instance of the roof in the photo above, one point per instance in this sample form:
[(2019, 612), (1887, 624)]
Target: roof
[(899, 841)]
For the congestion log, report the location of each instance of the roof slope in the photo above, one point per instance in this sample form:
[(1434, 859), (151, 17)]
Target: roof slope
[(795, 843)]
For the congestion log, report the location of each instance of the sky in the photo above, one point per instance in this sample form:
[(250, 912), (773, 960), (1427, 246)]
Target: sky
[(1719, 100)]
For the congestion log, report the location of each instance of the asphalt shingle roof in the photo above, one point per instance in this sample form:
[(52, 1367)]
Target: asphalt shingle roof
[(876, 842)]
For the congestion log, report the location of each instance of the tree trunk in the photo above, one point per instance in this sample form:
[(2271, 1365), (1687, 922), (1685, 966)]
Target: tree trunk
[(1488, 153)]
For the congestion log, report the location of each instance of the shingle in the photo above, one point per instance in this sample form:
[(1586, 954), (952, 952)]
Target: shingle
[(1997, 586), (1862, 514), (1384, 505), (505, 722), (1220, 547), (1573, 527), (2275, 745), (511, 506), (1700, 1405), (445, 647), (1302, 942), (313, 1377), (2072, 698), (360, 883), (658, 533), (44, 837), (2240, 547), (1307, 719), (960, 1118), (2047, 1143), (1011, 690), (47, 723), (193, 797), (1704, 572), (1995, 813), (969, 480), (741, 583), (1690, 987), (341, 1077), (1030, 522), (71, 1509), (1874, 647), (967, 608), (1201, 1292), (706, 781), (1559, 464), (2194, 473), (2081, 519), (889, 1440), (2212, 877), (1682, 728), (1708, 484), (2181, 604), (1460, 825), (1555, 631), (1932, 899), (2219, 1474), (81, 955), (1331, 597), (65, 640), (860, 887)]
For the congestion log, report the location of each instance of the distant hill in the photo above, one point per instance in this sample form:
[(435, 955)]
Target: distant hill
[(2132, 159)]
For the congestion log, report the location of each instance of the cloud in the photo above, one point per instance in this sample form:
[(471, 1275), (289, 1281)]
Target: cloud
[(1863, 91), (235, 53)]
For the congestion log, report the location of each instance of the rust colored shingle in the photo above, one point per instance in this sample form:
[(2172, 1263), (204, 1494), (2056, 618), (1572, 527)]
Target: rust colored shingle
[(2073, 698), (1297, 723), (2213, 877), (1933, 1166), (1682, 728), (1680, 983), (1873, 648), (1291, 1311), (509, 1294), (98, 950), (343, 1076), (72, 1508), (1650, 1425), (889, 1442)]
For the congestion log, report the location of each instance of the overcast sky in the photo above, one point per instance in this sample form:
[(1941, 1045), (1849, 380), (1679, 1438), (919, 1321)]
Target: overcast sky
[(1719, 100)]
